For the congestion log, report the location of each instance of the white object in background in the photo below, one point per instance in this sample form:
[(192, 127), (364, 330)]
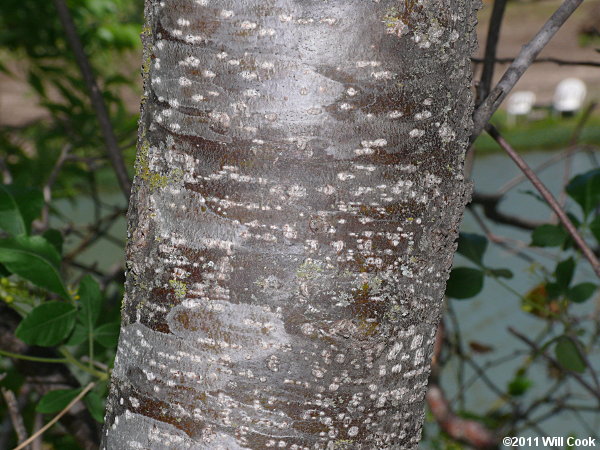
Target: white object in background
[(520, 103), (569, 95)]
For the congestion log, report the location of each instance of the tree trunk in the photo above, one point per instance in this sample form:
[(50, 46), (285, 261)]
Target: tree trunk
[(298, 192)]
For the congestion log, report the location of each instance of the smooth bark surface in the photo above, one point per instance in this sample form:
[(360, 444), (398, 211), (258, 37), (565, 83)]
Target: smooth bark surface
[(298, 192)]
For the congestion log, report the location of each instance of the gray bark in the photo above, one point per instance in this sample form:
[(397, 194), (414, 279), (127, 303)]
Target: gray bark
[(298, 192)]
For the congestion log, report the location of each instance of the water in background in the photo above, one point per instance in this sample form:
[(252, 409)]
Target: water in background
[(485, 318)]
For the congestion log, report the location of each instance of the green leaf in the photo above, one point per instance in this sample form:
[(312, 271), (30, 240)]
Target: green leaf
[(79, 335), (501, 273), (55, 238), (47, 324), (595, 227), (34, 259), (107, 335), (11, 220), (90, 300), (519, 385), (464, 282), (585, 190), (548, 235), (13, 379), (472, 246), (568, 354), (554, 290), (581, 292), (564, 273), (573, 218), (95, 405), (30, 202), (57, 400), (18, 207)]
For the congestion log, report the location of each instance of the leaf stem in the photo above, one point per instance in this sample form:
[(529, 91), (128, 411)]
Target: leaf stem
[(71, 359), (33, 358), (91, 348)]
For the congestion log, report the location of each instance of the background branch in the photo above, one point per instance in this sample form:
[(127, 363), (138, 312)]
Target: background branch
[(490, 202), (547, 195), (560, 62), (15, 414), (468, 431), (555, 363), (528, 53), (491, 46), (112, 146)]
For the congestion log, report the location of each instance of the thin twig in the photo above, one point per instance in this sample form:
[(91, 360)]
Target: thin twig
[(464, 430), (98, 364), (547, 195), (575, 136), (558, 61), (528, 53), (468, 431), (592, 431), (112, 146), (97, 231), (555, 363), (581, 124), (38, 423), (47, 189), (58, 416), (459, 350), (500, 240), (15, 414), (491, 45), (547, 163), (6, 175), (490, 202), (484, 368)]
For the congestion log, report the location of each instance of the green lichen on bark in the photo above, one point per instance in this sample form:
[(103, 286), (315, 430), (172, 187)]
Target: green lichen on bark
[(153, 179), (309, 269), (179, 288)]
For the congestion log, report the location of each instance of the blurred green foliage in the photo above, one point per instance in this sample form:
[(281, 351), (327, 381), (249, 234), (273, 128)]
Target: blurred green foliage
[(60, 154), (34, 46)]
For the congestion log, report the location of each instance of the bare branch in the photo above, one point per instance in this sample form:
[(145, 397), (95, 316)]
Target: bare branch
[(491, 46), (47, 189), (558, 61), (587, 113), (555, 363), (471, 432), (547, 195), (500, 240), (15, 414), (490, 203), (548, 163), (464, 430), (38, 423), (58, 416), (112, 146), (528, 53), (571, 148)]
